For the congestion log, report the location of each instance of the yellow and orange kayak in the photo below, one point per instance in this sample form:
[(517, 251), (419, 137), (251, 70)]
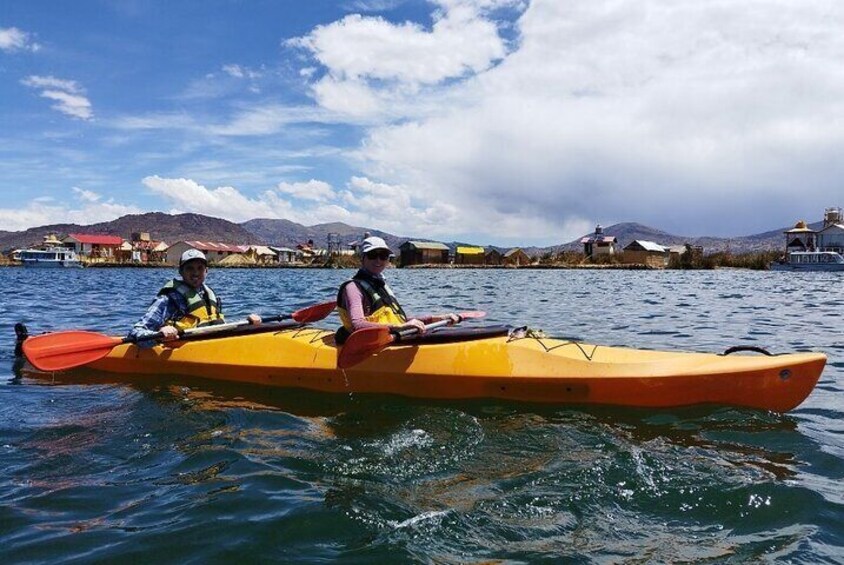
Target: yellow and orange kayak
[(533, 369)]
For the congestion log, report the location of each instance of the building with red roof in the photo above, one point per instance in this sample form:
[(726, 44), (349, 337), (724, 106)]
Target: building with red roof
[(94, 246)]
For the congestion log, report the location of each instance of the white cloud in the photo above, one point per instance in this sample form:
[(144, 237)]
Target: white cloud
[(186, 195), (357, 47), (374, 5), (67, 93), (86, 195), (362, 202), (45, 211), (155, 122), (222, 202), (267, 119), (397, 208), (13, 39), (255, 120), (716, 117), (610, 111), (52, 83), (375, 67), (315, 190), (70, 104), (350, 98), (238, 71)]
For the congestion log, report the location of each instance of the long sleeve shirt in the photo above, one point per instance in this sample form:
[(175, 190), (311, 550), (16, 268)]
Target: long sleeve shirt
[(172, 306), (358, 307)]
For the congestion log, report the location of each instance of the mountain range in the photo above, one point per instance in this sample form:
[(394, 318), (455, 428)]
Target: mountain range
[(178, 227)]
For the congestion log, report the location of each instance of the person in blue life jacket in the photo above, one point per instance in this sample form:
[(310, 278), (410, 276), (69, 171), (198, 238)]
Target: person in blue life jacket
[(183, 303), (367, 301)]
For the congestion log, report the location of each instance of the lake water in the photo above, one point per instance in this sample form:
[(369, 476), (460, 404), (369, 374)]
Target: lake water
[(171, 469)]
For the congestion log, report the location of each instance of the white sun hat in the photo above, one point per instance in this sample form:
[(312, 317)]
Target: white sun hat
[(192, 254), (373, 244)]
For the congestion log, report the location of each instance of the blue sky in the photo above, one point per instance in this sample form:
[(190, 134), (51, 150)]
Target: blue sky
[(488, 121)]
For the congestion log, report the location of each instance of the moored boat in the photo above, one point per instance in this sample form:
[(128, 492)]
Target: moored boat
[(809, 250), (50, 257), (503, 365), (810, 261), (50, 254)]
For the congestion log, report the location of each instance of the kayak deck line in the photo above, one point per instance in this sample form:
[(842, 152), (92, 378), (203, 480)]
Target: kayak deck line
[(513, 368), (539, 336)]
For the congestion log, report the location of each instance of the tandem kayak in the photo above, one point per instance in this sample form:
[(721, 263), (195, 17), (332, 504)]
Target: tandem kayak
[(493, 364)]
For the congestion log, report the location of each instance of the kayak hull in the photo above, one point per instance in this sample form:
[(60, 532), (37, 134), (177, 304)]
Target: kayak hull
[(527, 369)]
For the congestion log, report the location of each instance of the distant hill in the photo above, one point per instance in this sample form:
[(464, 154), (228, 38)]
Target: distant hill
[(629, 231), (287, 234), (161, 227), (171, 228)]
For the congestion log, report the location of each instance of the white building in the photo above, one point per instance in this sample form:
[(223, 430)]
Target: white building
[(599, 244), (831, 236)]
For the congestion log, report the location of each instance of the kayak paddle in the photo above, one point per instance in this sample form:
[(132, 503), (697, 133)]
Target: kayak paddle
[(59, 351), (364, 343)]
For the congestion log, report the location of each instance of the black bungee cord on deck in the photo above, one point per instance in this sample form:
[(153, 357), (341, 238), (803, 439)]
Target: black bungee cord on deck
[(525, 332)]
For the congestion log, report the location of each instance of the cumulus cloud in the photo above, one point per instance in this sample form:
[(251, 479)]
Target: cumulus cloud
[(312, 202), (46, 211), (716, 118), (372, 64), (397, 208), (315, 190), (13, 39), (373, 48), (654, 112), (70, 97), (186, 195)]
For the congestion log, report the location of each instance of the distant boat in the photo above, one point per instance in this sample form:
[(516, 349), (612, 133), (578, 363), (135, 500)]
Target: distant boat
[(50, 257), (810, 250), (810, 261)]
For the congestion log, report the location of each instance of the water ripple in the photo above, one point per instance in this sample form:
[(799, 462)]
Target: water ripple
[(177, 470)]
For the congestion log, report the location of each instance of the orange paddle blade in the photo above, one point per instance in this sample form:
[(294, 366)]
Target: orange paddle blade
[(314, 313), (65, 350), (362, 344)]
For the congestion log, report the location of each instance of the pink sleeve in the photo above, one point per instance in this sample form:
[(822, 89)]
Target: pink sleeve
[(354, 305)]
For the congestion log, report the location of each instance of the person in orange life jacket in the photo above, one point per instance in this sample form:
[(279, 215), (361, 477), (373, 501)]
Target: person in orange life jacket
[(183, 303), (366, 300)]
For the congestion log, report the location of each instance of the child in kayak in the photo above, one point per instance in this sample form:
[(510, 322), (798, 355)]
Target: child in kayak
[(183, 303), (367, 301)]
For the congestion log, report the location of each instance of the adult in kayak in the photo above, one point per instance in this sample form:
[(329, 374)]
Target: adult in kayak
[(183, 303), (367, 301)]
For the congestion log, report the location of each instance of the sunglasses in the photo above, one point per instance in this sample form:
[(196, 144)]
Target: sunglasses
[(382, 254)]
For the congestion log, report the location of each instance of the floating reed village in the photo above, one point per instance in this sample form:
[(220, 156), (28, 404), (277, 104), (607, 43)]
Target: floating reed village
[(803, 248)]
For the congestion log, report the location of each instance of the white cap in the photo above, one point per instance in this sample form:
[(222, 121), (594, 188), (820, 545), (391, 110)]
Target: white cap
[(372, 244), (190, 255)]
